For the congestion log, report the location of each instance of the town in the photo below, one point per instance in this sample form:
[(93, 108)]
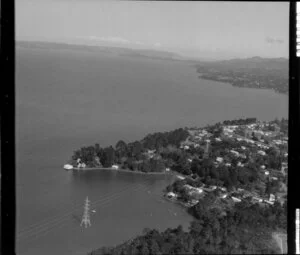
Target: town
[(256, 144)]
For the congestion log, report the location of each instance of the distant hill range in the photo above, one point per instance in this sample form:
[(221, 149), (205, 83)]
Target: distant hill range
[(255, 72), (149, 53), (281, 64)]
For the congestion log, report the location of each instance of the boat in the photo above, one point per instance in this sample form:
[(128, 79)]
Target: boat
[(68, 167)]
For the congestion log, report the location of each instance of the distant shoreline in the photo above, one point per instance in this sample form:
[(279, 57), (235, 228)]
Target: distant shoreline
[(122, 170)]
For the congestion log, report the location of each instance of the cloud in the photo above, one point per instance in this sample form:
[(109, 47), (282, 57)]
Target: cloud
[(271, 40), (109, 39), (112, 39), (157, 44)]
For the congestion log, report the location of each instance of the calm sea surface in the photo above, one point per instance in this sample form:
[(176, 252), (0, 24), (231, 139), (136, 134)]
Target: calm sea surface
[(68, 99)]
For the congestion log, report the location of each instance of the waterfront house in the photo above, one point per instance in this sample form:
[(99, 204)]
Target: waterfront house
[(171, 195), (115, 167), (68, 167), (81, 165)]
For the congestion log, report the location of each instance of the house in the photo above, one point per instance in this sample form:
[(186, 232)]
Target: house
[(269, 202), (240, 164), (267, 172), (243, 148), (218, 139), (228, 164), (263, 167), (186, 147), (272, 198), (261, 153), (219, 159), (235, 199), (234, 152), (115, 167), (81, 165), (68, 167), (171, 195), (167, 169), (180, 177), (224, 195)]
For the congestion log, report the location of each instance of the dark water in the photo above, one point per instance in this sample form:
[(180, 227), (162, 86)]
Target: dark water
[(66, 100)]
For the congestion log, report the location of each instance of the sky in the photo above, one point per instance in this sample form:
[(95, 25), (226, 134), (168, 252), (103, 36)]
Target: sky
[(196, 29)]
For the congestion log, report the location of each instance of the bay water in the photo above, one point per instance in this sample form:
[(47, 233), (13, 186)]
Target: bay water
[(69, 99)]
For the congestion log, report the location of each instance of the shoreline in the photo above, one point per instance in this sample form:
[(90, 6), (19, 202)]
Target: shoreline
[(122, 170)]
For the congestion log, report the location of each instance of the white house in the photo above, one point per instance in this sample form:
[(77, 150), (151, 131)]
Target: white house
[(219, 159), (68, 167), (218, 139), (227, 164), (263, 167), (167, 169), (81, 165), (243, 148), (235, 199), (267, 172), (261, 153), (272, 198), (224, 195), (269, 202), (240, 164), (234, 152), (115, 167), (171, 195)]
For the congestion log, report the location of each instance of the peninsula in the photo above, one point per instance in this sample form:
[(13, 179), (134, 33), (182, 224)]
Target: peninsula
[(233, 182), (256, 72)]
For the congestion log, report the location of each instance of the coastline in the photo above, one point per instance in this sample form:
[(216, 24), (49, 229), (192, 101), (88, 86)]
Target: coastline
[(122, 170)]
